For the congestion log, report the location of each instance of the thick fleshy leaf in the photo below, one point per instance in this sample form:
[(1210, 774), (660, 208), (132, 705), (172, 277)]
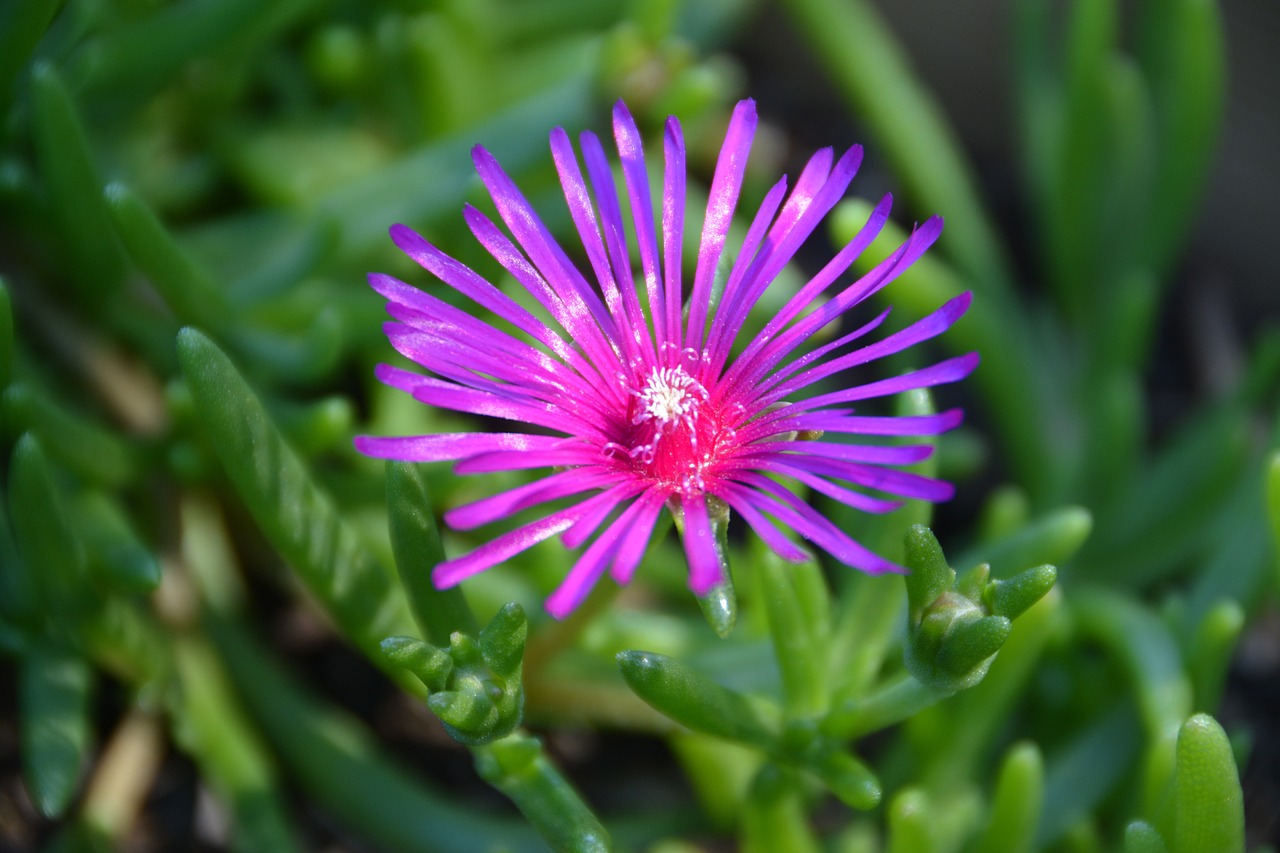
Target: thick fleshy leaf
[(519, 767), (1016, 802), (188, 290), (74, 186), (1208, 802), (49, 547), (415, 542), (299, 519), (91, 452), (54, 687), (115, 552), (694, 700)]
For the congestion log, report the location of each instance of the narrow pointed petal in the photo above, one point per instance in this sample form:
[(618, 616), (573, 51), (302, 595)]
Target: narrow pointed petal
[(631, 154), (725, 188), (591, 566), (705, 570), (648, 507), (449, 446), (673, 196), (452, 572)]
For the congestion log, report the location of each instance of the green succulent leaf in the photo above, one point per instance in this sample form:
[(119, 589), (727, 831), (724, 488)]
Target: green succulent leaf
[(187, 288), (1209, 804), (847, 777), (1141, 837), (1053, 538), (774, 815), (911, 824), (431, 665), (695, 701), (502, 641), (1012, 597), (930, 575), (1016, 803), (517, 766), (298, 518), (415, 540), (1211, 649), (971, 645), (1273, 500), (74, 186), (91, 452), (1183, 51), (800, 654), (51, 552), (54, 688), (465, 710), (115, 552)]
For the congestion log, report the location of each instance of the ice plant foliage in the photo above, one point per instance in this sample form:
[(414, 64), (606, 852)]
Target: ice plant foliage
[(658, 404)]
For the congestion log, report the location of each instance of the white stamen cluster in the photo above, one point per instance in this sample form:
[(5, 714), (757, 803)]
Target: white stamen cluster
[(670, 395)]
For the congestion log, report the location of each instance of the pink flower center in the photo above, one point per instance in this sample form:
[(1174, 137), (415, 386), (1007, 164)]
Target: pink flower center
[(675, 431)]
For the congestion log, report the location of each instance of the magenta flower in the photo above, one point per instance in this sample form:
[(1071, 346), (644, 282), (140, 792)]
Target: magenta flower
[(640, 406)]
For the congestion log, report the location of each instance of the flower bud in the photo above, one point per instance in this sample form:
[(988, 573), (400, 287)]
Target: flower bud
[(474, 685), (956, 626)]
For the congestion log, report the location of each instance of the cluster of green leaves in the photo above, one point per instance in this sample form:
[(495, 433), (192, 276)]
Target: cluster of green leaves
[(1175, 549), (230, 167)]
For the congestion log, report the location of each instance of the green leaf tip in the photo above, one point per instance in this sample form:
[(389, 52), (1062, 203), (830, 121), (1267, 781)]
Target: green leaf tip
[(51, 549), (719, 606), (54, 693), (1016, 803), (502, 640), (1142, 837), (972, 643), (475, 685), (848, 778), (930, 575), (694, 700), (1208, 801), (1011, 598), (298, 517), (956, 625), (431, 665)]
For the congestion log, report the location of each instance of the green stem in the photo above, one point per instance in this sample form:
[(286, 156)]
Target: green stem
[(517, 766), (800, 655), (774, 817), (339, 765), (892, 703)]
